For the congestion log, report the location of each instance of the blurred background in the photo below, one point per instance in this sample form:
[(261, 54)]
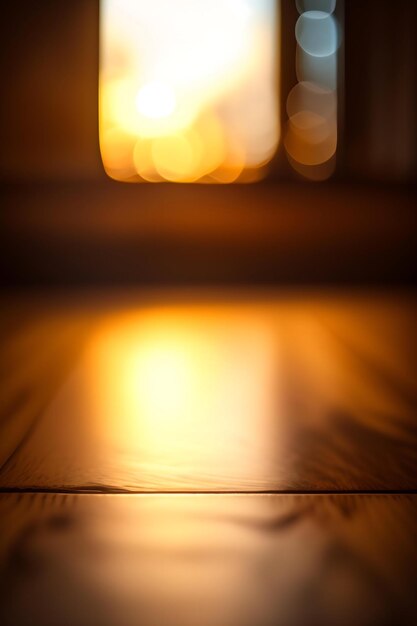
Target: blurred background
[(64, 222)]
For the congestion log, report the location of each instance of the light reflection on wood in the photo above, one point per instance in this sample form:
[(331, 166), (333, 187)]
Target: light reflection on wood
[(202, 560), (205, 392)]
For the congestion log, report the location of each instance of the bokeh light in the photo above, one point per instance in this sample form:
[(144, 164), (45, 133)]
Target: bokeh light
[(316, 33), (188, 89), (311, 134)]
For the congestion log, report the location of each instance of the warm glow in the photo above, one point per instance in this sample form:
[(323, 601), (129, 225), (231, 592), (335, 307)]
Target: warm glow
[(176, 388), (155, 100), (188, 89)]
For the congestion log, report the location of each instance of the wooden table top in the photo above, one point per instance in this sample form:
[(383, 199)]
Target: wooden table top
[(126, 416)]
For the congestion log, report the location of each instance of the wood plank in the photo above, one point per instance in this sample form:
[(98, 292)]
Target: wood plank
[(204, 560)]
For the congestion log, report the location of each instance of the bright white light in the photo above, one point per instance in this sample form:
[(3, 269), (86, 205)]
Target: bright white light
[(155, 100)]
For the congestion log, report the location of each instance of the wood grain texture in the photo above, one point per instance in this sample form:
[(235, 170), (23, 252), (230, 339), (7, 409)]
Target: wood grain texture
[(205, 560), (171, 391), (38, 347)]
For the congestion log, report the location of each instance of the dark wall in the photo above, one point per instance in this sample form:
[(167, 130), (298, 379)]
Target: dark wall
[(48, 107), (381, 89)]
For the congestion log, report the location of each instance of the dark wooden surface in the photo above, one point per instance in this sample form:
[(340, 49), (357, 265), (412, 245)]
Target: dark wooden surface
[(207, 560), (173, 391), (161, 391)]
